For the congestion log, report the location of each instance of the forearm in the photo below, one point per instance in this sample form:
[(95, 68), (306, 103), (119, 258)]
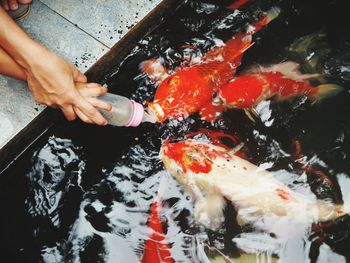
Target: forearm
[(9, 67), (17, 43)]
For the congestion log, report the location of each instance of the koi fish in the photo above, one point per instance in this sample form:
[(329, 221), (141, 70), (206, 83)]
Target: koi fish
[(191, 89), (156, 249), (212, 173), (248, 90)]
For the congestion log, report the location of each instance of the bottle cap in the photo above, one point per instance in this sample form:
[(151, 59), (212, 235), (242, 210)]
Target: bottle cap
[(137, 115)]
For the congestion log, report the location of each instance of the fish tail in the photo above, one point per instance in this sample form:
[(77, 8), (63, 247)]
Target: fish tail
[(154, 69), (237, 46), (269, 16), (273, 13), (239, 43), (324, 91)]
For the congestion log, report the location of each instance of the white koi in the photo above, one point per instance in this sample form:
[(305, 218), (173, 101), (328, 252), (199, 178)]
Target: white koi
[(212, 173)]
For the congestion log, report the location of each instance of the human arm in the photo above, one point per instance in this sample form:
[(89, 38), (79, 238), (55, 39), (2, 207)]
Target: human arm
[(89, 91), (50, 78)]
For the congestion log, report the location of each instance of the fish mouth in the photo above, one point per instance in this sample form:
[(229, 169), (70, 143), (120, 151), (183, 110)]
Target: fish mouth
[(157, 111)]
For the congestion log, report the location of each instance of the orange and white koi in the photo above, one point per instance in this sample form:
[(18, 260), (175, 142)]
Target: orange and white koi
[(190, 89), (212, 173)]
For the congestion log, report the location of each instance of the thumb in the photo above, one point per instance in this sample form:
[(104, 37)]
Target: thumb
[(78, 76)]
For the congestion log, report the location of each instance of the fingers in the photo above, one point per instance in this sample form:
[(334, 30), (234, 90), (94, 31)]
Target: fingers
[(86, 110), (13, 4), (25, 1), (90, 111), (82, 116), (91, 89), (78, 76), (100, 104), (68, 112), (83, 103)]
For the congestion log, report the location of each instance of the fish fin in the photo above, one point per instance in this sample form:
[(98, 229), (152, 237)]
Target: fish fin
[(211, 111), (325, 91), (209, 211), (270, 15), (154, 70), (236, 149), (289, 69), (255, 243), (251, 114)]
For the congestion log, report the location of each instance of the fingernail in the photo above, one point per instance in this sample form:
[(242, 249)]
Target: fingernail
[(14, 6)]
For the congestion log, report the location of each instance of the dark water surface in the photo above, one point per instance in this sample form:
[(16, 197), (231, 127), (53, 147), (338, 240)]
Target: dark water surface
[(83, 193)]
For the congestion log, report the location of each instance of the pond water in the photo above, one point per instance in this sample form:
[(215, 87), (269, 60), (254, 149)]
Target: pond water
[(84, 193)]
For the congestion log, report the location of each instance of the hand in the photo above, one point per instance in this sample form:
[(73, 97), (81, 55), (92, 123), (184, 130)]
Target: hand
[(90, 91), (51, 80)]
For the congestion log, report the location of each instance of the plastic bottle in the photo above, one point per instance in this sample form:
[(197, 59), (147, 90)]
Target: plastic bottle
[(124, 112)]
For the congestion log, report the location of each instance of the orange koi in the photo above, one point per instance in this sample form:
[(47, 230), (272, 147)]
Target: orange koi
[(191, 89), (156, 249), (248, 90)]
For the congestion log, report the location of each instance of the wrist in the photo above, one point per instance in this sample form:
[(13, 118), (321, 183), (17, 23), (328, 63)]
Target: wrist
[(30, 54)]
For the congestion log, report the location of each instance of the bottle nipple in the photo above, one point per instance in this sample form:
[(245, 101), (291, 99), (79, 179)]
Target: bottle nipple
[(137, 115)]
